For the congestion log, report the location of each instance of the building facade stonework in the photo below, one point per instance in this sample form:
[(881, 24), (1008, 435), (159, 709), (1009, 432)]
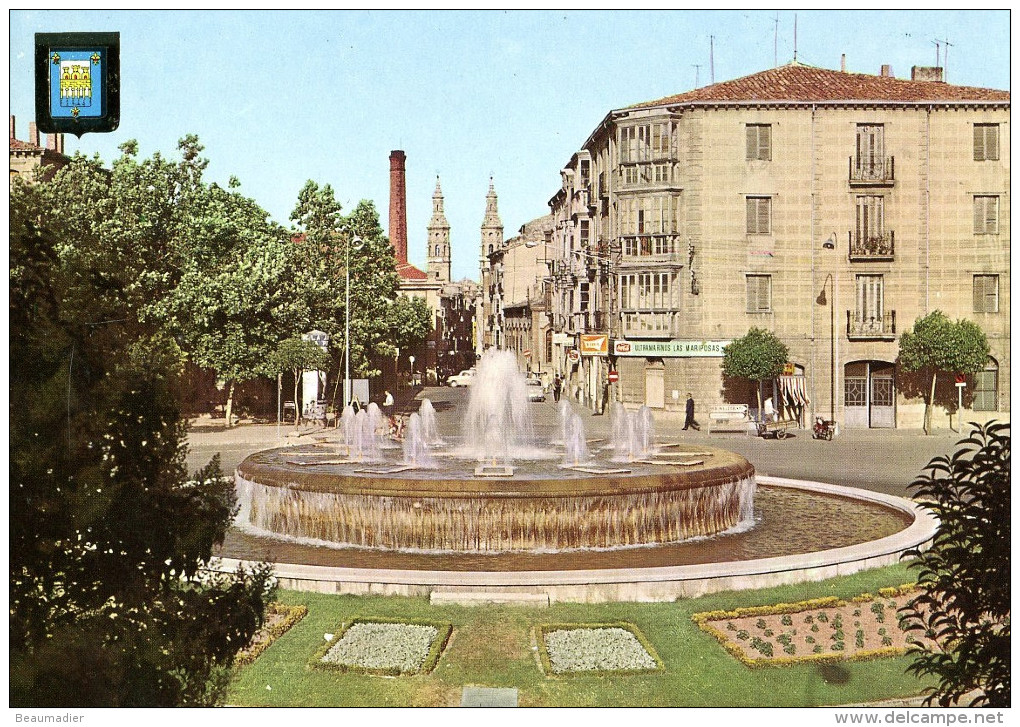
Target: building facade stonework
[(831, 208)]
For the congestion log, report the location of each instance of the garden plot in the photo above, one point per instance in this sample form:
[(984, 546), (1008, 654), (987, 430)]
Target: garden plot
[(612, 648), (828, 629), (380, 647), (279, 618)]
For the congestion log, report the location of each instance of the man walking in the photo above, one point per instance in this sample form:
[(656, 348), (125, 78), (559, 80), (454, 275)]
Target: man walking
[(557, 384), (689, 420)]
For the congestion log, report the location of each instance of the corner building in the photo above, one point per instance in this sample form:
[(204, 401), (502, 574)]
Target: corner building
[(831, 208)]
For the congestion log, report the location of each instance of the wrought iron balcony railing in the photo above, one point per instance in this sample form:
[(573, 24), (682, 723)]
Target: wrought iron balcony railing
[(860, 326), (873, 172), (872, 247)]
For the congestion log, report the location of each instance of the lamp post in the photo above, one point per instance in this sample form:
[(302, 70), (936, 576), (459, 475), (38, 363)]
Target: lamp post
[(356, 243), (832, 340)]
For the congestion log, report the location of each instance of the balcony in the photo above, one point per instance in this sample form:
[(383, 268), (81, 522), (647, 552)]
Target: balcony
[(650, 324), (860, 327), (872, 172), (872, 248)]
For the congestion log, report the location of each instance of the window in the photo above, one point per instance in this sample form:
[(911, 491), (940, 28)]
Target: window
[(585, 173), (986, 214), (585, 233), (653, 214), (870, 157), (630, 175), (649, 290), (870, 218), (759, 215), (660, 141), (634, 143), (662, 175), (759, 293), (759, 142), (986, 142), (986, 388), (986, 293)]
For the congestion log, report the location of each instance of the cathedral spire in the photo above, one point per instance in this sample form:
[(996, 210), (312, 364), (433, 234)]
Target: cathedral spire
[(438, 252)]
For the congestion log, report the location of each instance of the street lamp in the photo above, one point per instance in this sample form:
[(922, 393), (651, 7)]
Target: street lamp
[(356, 243), (832, 340)]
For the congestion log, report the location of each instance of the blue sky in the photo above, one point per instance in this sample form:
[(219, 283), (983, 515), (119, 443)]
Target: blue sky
[(278, 98)]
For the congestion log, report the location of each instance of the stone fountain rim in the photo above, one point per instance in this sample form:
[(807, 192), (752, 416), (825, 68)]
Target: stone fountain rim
[(682, 580), (724, 467)]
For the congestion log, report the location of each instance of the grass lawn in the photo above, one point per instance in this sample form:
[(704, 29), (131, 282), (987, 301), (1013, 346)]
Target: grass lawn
[(492, 646)]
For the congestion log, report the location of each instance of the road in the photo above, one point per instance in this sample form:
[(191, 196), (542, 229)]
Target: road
[(880, 460)]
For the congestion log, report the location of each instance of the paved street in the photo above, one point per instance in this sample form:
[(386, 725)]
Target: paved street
[(881, 460)]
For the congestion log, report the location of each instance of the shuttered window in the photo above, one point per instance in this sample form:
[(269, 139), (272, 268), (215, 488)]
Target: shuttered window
[(986, 388), (759, 142), (986, 293), (759, 215), (759, 293), (986, 142), (986, 214)]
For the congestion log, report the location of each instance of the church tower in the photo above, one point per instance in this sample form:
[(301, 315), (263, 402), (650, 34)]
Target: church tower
[(438, 253), (492, 226)]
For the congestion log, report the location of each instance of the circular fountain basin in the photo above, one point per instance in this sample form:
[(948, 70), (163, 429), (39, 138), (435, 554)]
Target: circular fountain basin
[(310, 495), (635, 574)]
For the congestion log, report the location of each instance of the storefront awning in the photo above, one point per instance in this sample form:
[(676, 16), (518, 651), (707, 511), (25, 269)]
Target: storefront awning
[(794, 390)]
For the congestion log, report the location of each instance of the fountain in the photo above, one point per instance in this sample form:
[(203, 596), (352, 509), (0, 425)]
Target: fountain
[(500, 499)]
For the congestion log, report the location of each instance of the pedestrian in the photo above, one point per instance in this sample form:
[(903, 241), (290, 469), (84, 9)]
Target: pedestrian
[(356, 405), (689, 420), (387, 403), (770, 410), (605, 397), (557, 385)]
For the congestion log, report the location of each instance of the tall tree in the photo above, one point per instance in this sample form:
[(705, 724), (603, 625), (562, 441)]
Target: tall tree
[(964, 606), (934, 344), (297, 355), (756, 356), (110, 604)]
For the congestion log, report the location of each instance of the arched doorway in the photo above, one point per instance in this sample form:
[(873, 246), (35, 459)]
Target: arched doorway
[(869, 395)]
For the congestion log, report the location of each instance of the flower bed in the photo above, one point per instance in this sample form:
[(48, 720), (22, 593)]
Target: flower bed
[(279, 618), (823, 629), (384, 647), (617, 648)]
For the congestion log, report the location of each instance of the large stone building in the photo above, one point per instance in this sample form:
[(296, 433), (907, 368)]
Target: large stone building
[(832, 208), (519, 266), (30, 158)]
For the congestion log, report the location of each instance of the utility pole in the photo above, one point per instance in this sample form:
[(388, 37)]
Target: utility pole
[(775, 44), (711, 59), (945, 61)]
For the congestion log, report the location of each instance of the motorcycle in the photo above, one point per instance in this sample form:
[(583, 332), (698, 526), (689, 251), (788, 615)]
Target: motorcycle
[(824, 429)]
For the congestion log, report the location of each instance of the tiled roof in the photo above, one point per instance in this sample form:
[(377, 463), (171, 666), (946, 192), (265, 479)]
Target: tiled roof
[(799, 82), (407, 271), (24, 145)]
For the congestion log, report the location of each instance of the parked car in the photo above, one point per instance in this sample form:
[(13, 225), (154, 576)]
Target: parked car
[(464, 378), (535, 390)]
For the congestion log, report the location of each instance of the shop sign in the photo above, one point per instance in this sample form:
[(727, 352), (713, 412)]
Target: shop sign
[(594, 344), (562, 339), (789, 369), (670, 349)]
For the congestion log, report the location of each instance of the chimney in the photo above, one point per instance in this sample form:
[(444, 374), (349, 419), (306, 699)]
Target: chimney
[(886, 71), (842, 63), (398, 206), (14, 134), (55, 142), (33, 134), (926, 73)]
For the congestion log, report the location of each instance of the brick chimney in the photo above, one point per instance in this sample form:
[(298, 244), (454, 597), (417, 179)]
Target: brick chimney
[(926, 73), (55, 142), (886, 71), (33, 134), (398, 206), (14, 134)]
